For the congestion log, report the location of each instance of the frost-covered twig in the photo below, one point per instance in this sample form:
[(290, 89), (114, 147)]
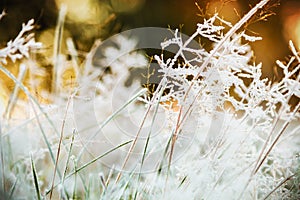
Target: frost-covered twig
[(20, 46), (203, 83)]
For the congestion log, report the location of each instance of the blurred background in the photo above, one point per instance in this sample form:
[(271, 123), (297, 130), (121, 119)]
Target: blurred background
[(88, 20)]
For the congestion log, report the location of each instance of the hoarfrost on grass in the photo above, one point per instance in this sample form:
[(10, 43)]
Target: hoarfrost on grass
[(224, 127), (20, 46)]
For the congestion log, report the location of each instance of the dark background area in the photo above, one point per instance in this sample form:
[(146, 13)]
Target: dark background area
[(126, 14)]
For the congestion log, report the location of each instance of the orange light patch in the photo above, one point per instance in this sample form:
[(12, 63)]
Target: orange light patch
[(171, 105)]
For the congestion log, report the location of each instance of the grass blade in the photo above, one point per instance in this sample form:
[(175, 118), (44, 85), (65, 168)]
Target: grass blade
[(75, 179), (57, 46), (59, 144), (103, 124), (92, 161), (12, 190), (14, 95), (35, 179)]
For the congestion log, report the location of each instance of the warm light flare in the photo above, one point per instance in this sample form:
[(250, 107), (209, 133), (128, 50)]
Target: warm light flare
[(291, 23), (88, 11)]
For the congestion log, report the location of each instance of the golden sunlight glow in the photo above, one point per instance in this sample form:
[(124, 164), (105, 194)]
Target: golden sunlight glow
[(291, 23), (87, 11), (226, 9), (171, 105), (126, 5), (292, 29)]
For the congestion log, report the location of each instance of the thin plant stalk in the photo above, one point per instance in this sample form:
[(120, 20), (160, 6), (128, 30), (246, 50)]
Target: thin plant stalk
[(13, 188), (140, 129), (32, 98), (126, 185), (57, 46), (106, 183), (276, 139), (68, 157), (262, 157), (75, 179), (219, 45), (278, 186), (174, 137), (14, 95), (150, 131), (147, 143), (258, 165), (59, 143), (46, 140), (236, 27), (112, 116), (133, 143), (44, 135), (92, 161), (34, 102), (230, 33), (102, 182)]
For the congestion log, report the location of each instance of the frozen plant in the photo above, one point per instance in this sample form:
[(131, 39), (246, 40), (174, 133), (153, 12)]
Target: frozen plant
[(228, 133), (83, 91), (239, 130), (20, 46)]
